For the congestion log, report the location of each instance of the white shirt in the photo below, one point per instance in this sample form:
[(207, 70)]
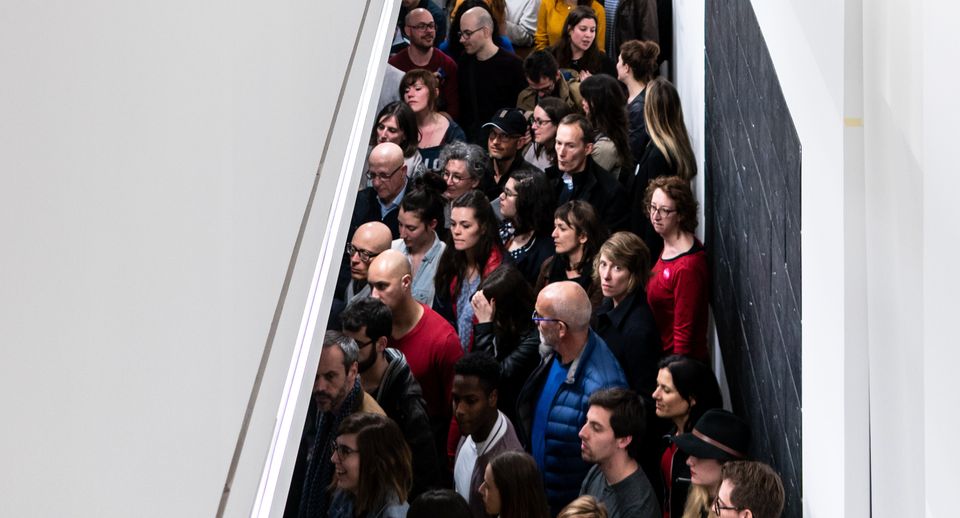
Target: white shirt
[(470, 451)]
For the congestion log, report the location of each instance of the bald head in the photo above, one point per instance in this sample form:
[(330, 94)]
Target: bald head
[(478, 23), (369, 239), (420, 29), (567, 301), (418, 15), (386, 154), (390, 279), (477, 17), (386, 171)]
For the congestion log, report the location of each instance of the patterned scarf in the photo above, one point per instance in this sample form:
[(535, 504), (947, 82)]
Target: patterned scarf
[(316, 498)]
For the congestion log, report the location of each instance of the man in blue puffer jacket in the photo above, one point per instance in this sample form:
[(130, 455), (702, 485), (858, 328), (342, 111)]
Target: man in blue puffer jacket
[(553, 404)]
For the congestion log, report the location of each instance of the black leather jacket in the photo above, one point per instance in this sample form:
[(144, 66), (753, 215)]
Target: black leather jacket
[(401, 398), (517, 361)]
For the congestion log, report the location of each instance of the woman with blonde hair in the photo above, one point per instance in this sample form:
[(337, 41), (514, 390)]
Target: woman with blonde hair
[(584, 507), (624, 319)]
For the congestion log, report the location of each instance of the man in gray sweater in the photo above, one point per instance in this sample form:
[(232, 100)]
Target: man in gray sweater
[(611, 440)]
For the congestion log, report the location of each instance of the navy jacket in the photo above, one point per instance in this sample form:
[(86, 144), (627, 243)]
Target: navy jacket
[(596, 368)]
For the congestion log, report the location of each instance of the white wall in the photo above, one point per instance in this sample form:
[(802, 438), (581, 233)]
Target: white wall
[(157, 160)]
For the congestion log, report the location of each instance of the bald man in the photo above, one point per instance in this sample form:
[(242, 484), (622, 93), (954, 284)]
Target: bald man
[(490, 78), (425, 338), (552, 406), (369, 241), (381, 201)]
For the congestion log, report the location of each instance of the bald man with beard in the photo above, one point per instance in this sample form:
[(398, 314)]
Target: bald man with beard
[(552, 406), (426, 339)]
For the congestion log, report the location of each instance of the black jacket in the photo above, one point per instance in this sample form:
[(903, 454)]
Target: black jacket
[(631, 333), (517, 360), (636, 20), (401, 398), (367, 209), (599, 188)]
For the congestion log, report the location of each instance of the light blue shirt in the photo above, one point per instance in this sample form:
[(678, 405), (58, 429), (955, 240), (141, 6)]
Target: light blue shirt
[(423, 289)]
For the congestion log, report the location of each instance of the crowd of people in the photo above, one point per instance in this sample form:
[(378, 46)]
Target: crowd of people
[(520, 323)]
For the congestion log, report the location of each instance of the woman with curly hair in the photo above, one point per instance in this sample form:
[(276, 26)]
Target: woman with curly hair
[(577, 49), (373, 468)]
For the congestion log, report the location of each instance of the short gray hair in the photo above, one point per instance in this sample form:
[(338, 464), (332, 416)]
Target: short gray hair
[(471, 154), (347, 345)]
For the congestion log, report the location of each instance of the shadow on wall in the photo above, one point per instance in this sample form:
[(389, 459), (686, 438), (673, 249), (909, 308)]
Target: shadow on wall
[(753, 233)]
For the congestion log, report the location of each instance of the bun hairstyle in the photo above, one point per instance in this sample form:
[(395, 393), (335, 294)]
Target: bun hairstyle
[(426, 199), (641, 57)]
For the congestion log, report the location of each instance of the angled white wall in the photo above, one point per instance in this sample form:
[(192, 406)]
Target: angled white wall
[(157, 162)]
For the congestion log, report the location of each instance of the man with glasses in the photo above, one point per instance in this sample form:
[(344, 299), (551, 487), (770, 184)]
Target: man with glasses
[(421, 30), (368, 241), (439, 17), (337, 393), (490, 77), (749, 489), (545, 80), (381, 201), (385, 375), (505, 130), (552, 406)]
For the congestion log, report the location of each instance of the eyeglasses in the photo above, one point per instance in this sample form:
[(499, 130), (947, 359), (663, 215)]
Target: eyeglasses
[(540, 122), (424, 27), (497, 135), (342, 450), (365, 255), (537, 318), (361, 345), (465, 34), (509, 194), (660, 211), (717, 507), (382, 176), (453, 178)]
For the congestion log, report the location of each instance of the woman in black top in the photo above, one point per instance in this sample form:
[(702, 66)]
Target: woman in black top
[(526, 206), (577, 235)]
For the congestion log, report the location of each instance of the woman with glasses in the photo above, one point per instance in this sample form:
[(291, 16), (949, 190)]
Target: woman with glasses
[(605, 105), (475, 252), (668, 153), (372, 468), (463, 166), (526, 205), (577, 48), (420, 89), (503, 305), (542, 152), (678, 288), (397, 123), (513, 487), (624, 319), (686, 389), (552, 17), (577, 235)]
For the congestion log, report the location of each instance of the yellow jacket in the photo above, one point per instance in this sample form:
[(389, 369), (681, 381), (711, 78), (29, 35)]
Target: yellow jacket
[(550, 20)]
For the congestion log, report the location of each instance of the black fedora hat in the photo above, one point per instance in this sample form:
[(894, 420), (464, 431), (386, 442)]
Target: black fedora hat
[(718, 435)]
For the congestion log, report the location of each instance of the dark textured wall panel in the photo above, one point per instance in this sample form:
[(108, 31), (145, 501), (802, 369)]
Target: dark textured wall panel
[(752, 174)]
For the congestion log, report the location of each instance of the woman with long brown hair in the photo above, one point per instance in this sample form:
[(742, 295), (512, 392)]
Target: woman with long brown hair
[(420, 89), (578, 48)]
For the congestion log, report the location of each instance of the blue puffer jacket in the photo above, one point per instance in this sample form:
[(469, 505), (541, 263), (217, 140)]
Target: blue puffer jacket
[(596, 368)]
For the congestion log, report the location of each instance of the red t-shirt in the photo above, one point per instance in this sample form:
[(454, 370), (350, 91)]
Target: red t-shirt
[(678, 294), (446, 70), (431, 349)]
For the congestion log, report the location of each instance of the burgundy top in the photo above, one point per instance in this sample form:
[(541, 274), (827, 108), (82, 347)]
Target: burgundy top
[(678, 294)]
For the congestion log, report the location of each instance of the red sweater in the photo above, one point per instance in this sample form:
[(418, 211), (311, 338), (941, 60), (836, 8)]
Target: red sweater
[(678, 294)]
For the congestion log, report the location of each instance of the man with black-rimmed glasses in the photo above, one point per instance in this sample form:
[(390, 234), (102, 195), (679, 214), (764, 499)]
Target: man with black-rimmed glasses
[(552, 406)]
